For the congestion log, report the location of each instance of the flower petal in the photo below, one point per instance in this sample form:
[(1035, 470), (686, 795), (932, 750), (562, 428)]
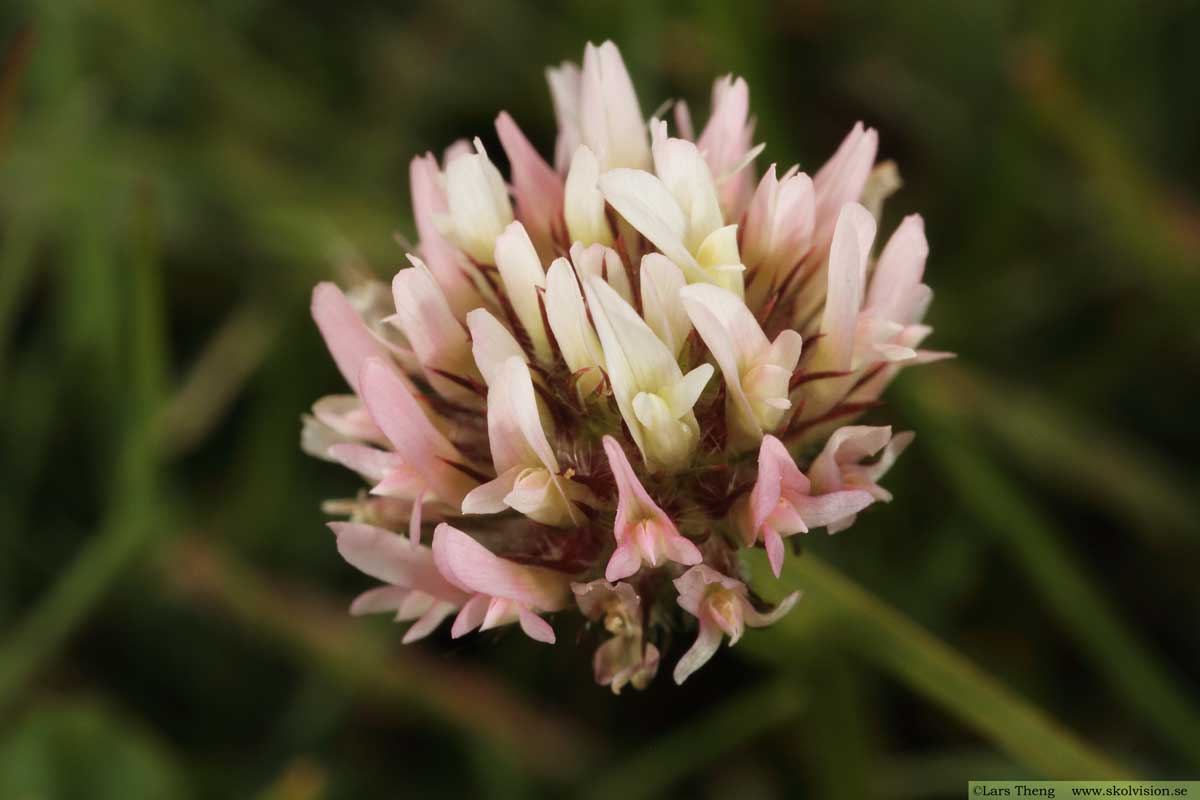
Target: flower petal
[(418, 442), (569, 321), (708, 641), (345, 333), (847, 270), (842, 178), (432, 330), (564, 81), (536, 186), (478, 204), (583, 205), (393, 559), (662, 307), (755, 619), (444, 260), (491, 344), (647, 205), (610, 121), (535, 627), (428, 622), (522, 274), (468, 564), (515, 430), (636, 360)]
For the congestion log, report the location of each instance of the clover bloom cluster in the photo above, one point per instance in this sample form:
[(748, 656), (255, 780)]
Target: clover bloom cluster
[(600, 379)]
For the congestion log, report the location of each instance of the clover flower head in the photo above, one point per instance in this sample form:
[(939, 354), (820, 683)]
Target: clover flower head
[(597, 381)]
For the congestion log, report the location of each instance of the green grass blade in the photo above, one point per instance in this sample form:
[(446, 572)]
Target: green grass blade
[(1146, 687), (135, 515), (1077, 456), (911, 654)]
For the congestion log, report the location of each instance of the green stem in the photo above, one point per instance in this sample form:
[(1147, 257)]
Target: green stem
[(892, 642)]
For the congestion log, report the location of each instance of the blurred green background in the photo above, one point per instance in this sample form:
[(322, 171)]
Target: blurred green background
[(176, 175)]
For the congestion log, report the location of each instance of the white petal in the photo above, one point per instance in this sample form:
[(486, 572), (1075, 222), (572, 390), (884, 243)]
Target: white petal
[(610, 120), (488, 498), (605, 263), (568, 319), (684, 172), (636, 360), (564, 83), (478, 203), (645, 203), (661, 304), (491, 343), (847, 267), (514, 423), (583, 206), (432, 329), (521, 270)]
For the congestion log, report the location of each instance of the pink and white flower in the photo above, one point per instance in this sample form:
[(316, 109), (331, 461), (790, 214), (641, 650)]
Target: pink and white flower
[(414, 589), (784, 502), (626, 658), (723, 608), (501, 592), (538, 381), (644, 533)]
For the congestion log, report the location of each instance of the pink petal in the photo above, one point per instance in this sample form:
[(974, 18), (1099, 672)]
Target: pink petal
[(633, 501), (692, 586), (899, 267), (535, 627), (436, 336), (705, 647), (402, 483), (537, 187), (774, 544), (392, 559), (471, 616), (625, 561), (346, 415), (825, 509), (378, 600), (467, 563), (370, 462), (345, 333), (849, 444), (414, 520), (682, 550), (847, 268), (488, 498), (428, 622), (444, 260), (757, 620), (499, 612), (842, 178), (418, 442), (725, 141), (777, 473)]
